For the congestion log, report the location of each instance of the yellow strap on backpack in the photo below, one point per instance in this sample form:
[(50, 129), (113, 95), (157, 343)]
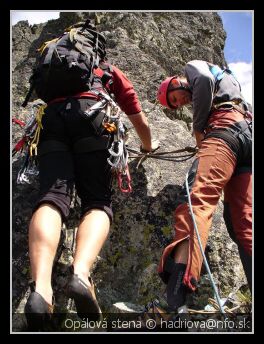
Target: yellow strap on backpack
[(72, 34), (35, 141), (45, 44)]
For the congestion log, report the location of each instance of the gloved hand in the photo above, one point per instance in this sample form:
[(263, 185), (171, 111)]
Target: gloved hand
[(155, 144)]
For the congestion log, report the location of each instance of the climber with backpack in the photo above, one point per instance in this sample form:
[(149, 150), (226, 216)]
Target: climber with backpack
[(222, 126), (78, 144)]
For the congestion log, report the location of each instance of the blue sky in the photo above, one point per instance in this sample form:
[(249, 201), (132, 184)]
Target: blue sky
[(238, 46), (33, 17)]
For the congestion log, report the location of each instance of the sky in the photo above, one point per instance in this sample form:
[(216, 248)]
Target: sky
[(238, 46), (238, 49)]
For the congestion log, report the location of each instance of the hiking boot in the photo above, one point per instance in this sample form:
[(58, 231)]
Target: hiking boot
[(37, 311), (84, 298), (159, 317)]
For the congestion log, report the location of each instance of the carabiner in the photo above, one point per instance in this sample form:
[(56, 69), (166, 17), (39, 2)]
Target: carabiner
[(121, 176), (116, 145)]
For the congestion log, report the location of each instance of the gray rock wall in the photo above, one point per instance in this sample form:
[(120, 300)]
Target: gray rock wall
[(147, 47)]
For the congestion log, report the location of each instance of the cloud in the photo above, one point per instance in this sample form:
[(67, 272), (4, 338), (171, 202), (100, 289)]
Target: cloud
[(243, 72), (33, 17)]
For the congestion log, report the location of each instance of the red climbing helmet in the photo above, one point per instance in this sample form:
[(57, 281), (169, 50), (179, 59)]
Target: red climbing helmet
[(162, 92), (169, 84)]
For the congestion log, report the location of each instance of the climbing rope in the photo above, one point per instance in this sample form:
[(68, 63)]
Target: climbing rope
[(167, 156), (215, 310), (201, 248)]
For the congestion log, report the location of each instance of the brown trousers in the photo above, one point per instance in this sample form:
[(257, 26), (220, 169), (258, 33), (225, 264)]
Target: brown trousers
[(214, 173)]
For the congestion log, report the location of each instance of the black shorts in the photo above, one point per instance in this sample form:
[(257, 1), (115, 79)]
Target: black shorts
[(60, 170)]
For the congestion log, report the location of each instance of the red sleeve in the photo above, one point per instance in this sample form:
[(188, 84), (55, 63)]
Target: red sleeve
[(124, 92)]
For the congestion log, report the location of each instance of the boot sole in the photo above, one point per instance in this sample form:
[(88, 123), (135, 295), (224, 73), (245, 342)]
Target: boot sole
[(36, 312), (86, 306)]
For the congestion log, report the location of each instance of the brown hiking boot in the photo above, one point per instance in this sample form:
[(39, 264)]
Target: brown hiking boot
[(84, 298)]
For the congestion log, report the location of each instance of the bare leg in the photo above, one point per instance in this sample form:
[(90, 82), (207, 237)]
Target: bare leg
[(44, 236), (91, 235), (181, 252)]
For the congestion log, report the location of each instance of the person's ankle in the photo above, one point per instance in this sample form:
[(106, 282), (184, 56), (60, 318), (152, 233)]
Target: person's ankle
[(83, 275), (46, 293)]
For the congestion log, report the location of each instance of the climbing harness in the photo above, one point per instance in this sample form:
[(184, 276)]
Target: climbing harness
[(201, 248), (112, 123), (118, 150)]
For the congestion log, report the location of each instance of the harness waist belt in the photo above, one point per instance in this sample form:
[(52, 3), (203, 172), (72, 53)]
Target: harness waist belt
[(92, 143), (227, 136), (229, 105), (238, 137), (52, 146)]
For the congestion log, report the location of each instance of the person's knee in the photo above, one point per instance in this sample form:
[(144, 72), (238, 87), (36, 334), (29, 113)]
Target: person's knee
[(96, 213), (45, 212), (46, 218), (58, 204), (102, 211)]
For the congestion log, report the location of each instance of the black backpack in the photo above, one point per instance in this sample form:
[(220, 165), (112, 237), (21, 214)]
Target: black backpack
[(64, 65)]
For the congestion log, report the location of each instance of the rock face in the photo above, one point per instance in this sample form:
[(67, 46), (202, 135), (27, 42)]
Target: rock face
[(147, 47)]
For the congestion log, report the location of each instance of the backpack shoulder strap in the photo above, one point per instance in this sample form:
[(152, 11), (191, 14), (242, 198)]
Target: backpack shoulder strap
[(104, 72), (217, 72), (51, 48)]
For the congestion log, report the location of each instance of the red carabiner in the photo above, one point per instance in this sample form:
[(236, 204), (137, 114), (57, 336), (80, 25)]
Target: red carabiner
[(120, 178), (20, 144), (19, 122)]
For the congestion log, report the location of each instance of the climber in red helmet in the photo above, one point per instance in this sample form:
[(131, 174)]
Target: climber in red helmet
[(222, 127), (166, 97)]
